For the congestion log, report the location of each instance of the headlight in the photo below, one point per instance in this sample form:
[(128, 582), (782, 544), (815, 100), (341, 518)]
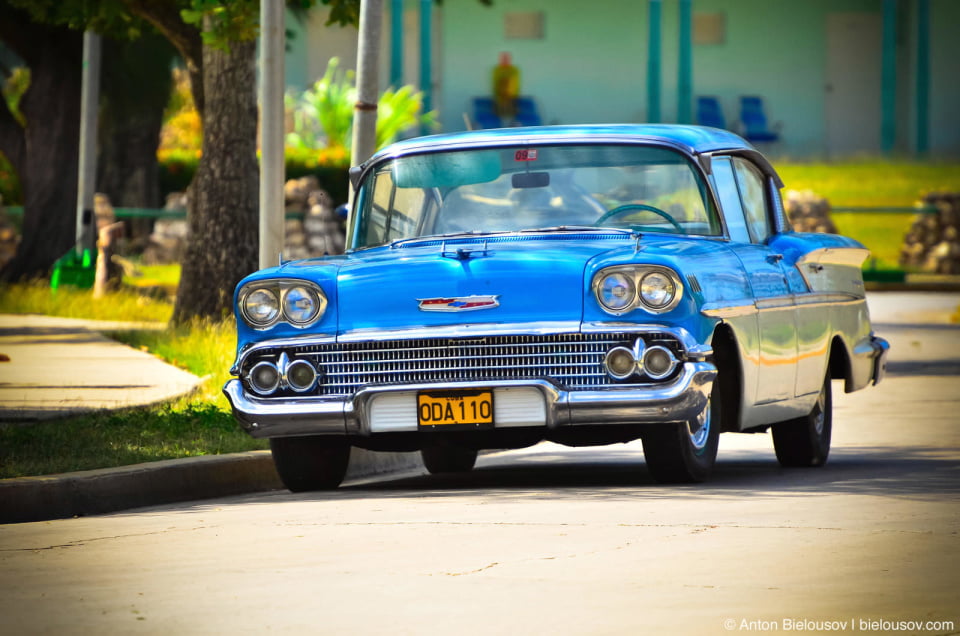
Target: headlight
[(622, 288), (616, 291), (261, 307), (264, 303), (657, 290), (301, 304)]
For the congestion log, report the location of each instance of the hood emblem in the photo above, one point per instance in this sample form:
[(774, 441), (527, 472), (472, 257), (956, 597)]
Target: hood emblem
[(458, 303)]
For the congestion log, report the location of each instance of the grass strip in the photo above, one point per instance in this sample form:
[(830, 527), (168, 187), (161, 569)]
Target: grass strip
[(119, 438)]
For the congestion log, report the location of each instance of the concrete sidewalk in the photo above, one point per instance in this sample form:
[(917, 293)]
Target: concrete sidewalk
[(55, 367)]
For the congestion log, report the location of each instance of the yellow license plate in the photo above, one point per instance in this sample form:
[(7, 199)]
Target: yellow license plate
[(472, 409)]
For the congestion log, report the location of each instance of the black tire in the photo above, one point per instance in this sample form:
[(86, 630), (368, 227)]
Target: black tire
[(805, 442), (685, 453), (310, 463), (448, 458)]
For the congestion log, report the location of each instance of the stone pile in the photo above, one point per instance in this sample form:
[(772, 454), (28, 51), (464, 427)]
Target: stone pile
[(168, 241), (808, 212), (933, 242), (313, 228)]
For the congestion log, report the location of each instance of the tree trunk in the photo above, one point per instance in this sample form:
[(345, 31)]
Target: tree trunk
[(135, 89), (222, 211), (45, 153)]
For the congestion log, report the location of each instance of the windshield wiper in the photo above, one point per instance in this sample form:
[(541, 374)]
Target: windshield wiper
[(579, 228)]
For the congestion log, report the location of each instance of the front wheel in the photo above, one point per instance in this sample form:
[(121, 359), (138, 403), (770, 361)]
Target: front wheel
[(685, 453), (310, 463), (805, 441)]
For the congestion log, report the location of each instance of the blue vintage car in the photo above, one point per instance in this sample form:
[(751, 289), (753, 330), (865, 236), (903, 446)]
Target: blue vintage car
[(585, 285)]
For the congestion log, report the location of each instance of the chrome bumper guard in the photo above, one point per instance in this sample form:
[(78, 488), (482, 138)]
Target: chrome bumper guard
[(881, 348), (677, 401)]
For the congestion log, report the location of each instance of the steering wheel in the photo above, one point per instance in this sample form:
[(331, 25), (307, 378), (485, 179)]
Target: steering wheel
[(630, 207)]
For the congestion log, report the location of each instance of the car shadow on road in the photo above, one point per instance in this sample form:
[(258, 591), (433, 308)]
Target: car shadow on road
[(922, 473)]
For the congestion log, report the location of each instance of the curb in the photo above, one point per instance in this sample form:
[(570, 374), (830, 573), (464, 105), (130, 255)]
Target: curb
[(92, 492)]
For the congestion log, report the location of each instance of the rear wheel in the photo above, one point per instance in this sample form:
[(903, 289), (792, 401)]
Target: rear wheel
[(310, 463), (685, 453), (805, 441), (448, 458)]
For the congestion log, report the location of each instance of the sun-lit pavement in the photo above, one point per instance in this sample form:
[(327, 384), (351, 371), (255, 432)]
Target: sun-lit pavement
[(551, 539), (58, 366)]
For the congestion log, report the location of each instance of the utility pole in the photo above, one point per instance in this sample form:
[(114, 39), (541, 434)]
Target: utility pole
[(365, 110), (89, 107), (272, 166)]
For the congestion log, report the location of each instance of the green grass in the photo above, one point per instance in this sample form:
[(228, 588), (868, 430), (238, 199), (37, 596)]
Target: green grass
[(120, 438), (871, 183), (166, 277), (882, 234), (70, 302)]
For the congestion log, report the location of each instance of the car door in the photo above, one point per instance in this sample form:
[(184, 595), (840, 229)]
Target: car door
[(741, 187)]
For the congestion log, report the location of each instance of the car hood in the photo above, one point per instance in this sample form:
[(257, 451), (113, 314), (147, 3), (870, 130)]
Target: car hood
[(436, 283)]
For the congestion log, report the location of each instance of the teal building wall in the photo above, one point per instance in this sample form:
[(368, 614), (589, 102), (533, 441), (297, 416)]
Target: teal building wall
[(591, 65)]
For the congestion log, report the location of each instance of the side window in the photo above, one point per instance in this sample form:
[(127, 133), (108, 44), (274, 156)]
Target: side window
[(726, 186), (750, 180), (392, 213)]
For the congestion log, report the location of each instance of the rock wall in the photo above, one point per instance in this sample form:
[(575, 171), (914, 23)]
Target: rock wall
[(312, 226), (933, 242), (808, 212)]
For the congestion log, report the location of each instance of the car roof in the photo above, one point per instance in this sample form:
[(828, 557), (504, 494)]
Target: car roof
[(692, 139)]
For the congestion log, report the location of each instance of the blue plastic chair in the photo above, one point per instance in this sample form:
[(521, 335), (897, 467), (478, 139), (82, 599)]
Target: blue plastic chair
[(484, 113), (527, 114), (754, 120), (709, 112)]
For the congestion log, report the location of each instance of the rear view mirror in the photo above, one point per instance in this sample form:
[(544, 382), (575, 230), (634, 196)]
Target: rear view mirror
[(531, 180)]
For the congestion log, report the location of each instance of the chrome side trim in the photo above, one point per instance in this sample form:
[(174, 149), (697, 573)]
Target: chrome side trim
[(728, 309), (740, 308)]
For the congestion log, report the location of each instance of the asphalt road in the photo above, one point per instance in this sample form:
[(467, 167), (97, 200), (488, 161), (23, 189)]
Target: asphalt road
[(554, 540)]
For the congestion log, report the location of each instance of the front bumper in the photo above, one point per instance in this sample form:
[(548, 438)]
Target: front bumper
[(679, 400)]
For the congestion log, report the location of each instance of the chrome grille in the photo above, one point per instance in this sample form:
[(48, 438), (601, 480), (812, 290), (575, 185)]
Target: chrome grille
[(574, 361)]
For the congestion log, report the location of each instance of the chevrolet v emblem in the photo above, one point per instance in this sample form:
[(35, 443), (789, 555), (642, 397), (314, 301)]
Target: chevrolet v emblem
[(458, 303)]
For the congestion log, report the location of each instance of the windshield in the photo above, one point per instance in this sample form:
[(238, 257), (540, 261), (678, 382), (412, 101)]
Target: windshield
[(640, 188)]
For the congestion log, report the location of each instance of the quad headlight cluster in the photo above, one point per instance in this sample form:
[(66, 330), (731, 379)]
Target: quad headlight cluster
[(624, 362), (624, 288), (268, 376), (265, 303)]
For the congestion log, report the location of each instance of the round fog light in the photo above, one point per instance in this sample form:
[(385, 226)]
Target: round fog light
[(264, 377), (301, 375), (620, 363), (658, 362)]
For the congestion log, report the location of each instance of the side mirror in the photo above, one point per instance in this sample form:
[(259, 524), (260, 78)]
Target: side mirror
[(355, 172)]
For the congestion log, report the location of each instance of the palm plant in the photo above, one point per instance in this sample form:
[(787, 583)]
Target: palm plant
[(323, 114)]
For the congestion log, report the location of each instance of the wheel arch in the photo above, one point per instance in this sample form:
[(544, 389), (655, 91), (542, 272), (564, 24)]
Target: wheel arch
[(839, 366), (726, 356)]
